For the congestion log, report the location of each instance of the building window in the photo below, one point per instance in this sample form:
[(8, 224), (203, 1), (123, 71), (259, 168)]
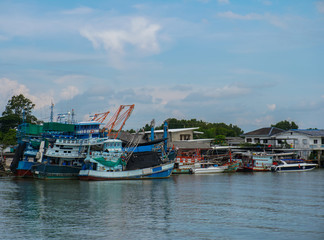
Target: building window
[(257, 140), (265, 141), (249, 140), (315, 141), (185, 137)]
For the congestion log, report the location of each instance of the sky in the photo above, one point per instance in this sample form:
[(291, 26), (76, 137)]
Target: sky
[(250, 63)]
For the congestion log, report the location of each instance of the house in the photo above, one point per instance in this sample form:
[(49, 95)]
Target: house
[(262, 136), (177, 134), (304, 142)]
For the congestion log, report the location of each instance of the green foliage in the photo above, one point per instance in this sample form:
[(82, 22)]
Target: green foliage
[(9, 122), (286, 125), (220, 140), (8, 138), (20, 105), (17, 107), (210, 130)]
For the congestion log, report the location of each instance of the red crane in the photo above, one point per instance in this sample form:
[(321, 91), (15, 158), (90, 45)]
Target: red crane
[(118, 120), (99, 117)]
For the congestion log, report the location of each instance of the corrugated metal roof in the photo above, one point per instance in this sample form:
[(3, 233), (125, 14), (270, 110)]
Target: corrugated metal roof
[(311, 132), (174, 130), (191, 144), (269, 131)]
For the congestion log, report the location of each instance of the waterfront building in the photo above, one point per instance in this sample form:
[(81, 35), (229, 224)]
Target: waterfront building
[(262, 136), (304, 142)]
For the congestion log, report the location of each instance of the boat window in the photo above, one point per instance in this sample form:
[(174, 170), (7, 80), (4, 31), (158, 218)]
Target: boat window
[(95, 165)]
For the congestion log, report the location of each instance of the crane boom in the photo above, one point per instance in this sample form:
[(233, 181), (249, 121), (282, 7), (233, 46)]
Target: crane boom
[(118, 120), (99, 117)]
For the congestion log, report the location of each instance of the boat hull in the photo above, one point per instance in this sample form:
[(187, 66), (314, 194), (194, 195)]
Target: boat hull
[(209, 170), (24, 169), (181, 171), (294, 168), (162, 171), (48, 171)]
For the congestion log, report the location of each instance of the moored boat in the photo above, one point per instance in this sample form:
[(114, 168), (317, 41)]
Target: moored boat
[(160, 171), (232, 166), (208, 168), (292, 165), (259, 163), (110, 162), (185, 160), (64, 158)]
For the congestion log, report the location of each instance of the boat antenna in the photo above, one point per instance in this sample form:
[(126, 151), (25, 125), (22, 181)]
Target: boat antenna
[(52, 112)]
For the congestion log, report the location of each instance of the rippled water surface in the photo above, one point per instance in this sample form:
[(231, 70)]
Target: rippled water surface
[(221, 206)]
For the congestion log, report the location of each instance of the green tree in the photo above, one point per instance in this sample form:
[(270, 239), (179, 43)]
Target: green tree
[(286, 125), (220, 140), (210, 130), (17, 108), (7, 139)]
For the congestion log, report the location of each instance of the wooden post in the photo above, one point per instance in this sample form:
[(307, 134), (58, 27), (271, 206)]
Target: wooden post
[(319, 157)]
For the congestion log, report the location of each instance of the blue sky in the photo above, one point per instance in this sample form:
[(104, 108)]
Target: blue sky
[(250, 63)]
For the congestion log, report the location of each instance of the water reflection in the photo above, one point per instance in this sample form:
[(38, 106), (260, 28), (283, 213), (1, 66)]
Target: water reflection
[(224, 206)]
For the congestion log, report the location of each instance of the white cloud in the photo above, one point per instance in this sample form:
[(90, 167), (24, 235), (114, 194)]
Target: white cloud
[(320, 6), (267, 3), (272, 107), (231, 15), (223, 1), (13, 88), (139, 34), (79, 10), (272, 19), (10, 88), (264, 121), (70, 79), (69, 92)]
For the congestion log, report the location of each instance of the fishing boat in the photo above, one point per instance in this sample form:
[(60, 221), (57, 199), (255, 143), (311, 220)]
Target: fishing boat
[(62, 160), (110, 162), (63, 148), (259, 162), (208, 168), (232, 166), (186, 159), (292, 165), (216, 161)]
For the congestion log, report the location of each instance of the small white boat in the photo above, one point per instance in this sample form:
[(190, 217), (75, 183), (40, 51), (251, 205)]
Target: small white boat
[(208, 168), (293, 165)]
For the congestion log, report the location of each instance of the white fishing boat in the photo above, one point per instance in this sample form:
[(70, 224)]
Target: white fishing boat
[(292, 165), (208, 168)]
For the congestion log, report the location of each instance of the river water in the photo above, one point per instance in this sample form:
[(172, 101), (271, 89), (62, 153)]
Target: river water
[(221, 206)]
